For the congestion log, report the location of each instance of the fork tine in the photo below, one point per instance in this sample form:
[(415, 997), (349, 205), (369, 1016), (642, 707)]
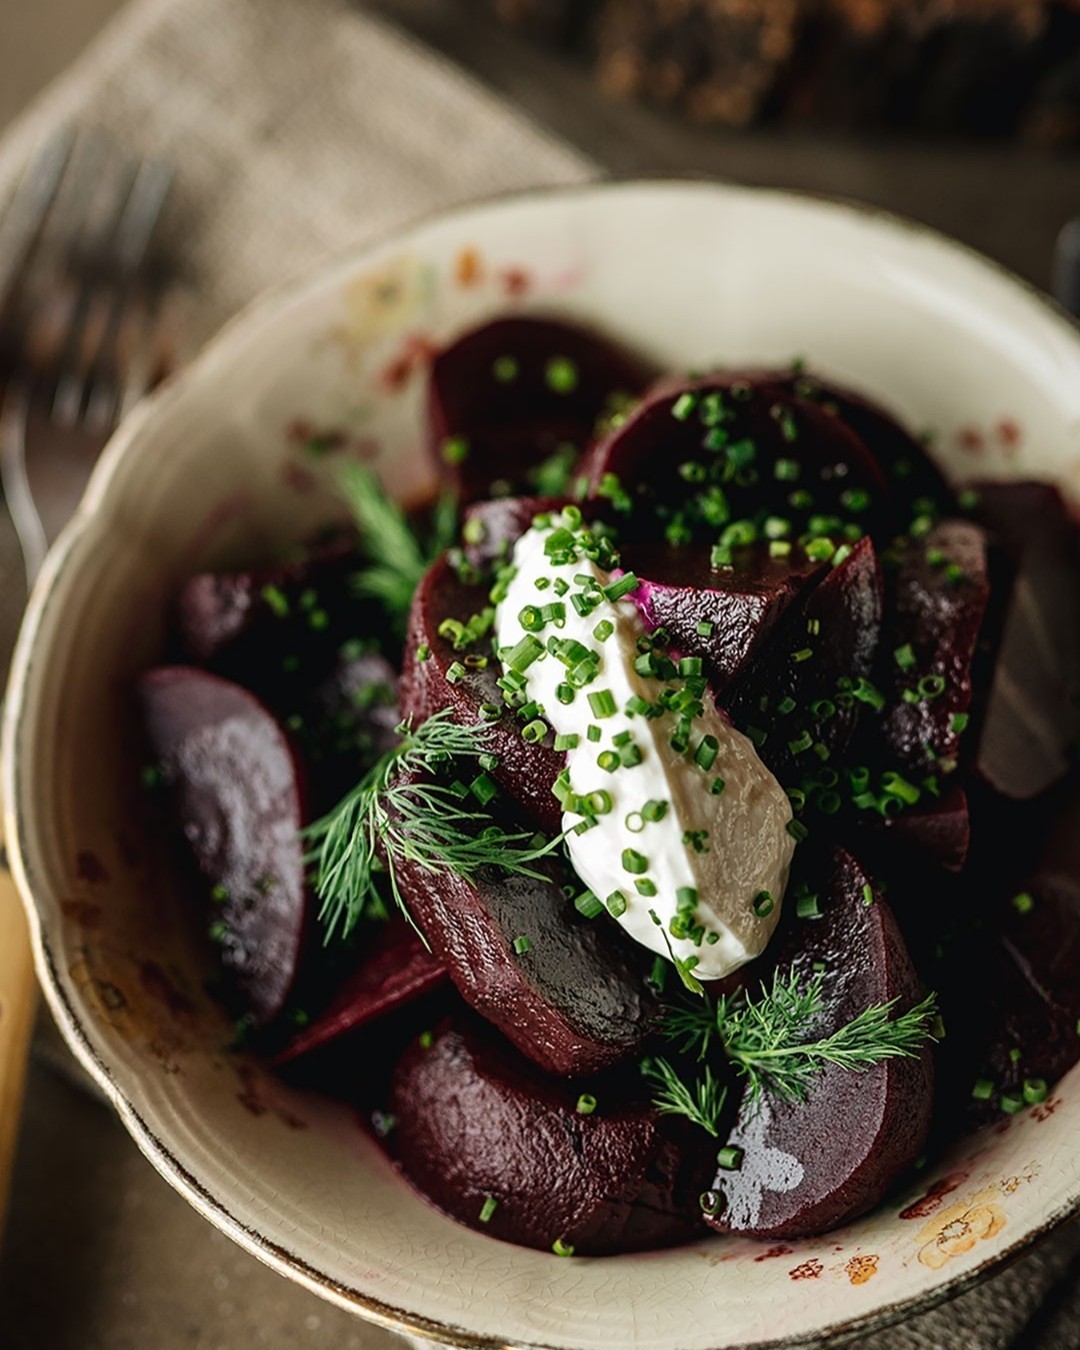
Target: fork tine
[(14, 415), (23, 223), (134, 233)]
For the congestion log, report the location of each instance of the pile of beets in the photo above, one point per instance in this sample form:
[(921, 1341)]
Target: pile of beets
[(915, 686)]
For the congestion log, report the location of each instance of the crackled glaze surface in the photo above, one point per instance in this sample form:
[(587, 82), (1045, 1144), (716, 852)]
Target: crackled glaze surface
[(232, 460)]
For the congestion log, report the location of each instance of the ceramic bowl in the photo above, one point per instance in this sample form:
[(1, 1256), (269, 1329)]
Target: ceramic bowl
[(233, 459)]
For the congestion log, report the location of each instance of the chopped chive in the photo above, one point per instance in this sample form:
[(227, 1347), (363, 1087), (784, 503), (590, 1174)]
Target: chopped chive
[(522, 945), (983, 1090), (904, 656), (567, 740), (797, 830), (276, 598), (609, 761), (488, 1208), (586, 1104), (623, 586), (532, 733), (561, 1248), (483, 789), (598, 802), (958, 723), (763, 904), (644, 886), (867, 893), (803, 654), (1011, 1104), (706, 752), (730, 1158), (455, 672), (603, 630), (616, 903), (561, 375), (455, 450), (654, 810), (1024, 902), (634, 822), (602, 703), (592, 731), (683, 406), (807, 905), (505, 369), (565, 693), (704, 629), (634, 862), (1035, 1091), (587, 905)]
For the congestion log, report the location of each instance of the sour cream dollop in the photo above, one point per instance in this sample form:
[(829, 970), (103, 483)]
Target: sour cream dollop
[(686, 841)]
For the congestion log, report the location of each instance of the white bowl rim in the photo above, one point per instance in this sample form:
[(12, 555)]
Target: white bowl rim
[(157, 404)]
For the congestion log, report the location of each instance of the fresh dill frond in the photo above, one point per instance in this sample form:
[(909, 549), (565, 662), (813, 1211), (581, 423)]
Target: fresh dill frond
[(769, 1040), (397, 814), (762, 1037), (702, 1104), (399, 556)]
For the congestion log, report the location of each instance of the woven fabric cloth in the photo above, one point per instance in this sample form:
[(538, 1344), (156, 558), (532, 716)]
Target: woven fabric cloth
[(299, 127)]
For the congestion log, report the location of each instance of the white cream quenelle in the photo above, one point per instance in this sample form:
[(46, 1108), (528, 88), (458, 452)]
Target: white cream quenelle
[(690, 846)]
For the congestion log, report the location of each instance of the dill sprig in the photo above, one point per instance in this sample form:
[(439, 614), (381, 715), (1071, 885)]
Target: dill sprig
[(702, 1103), (396, 814), (399, 556), (769, 1039)]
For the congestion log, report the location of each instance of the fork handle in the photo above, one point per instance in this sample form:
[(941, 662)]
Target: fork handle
[(18, 1001)]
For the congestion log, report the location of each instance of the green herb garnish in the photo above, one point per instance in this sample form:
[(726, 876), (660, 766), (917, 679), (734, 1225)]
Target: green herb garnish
[(391, 817), (769, 1039), (399, 557)]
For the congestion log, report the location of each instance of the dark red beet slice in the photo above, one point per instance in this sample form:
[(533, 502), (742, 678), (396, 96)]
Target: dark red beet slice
[(739, 605), (1033, 710), (938, 828), (506, 1151), (1008, 966), (396, 969), (576, 1002), (518, 391), (240, 622), (808, 1167), (910, 471), (526, 772), (348, 721), (936, 606), (239, 804), (491, 528), (795, 695), (662, 460)]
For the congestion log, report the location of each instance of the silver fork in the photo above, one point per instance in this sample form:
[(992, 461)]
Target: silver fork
[(81, 335)]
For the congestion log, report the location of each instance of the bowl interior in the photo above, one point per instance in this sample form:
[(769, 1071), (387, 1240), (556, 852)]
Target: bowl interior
[(232, 462)]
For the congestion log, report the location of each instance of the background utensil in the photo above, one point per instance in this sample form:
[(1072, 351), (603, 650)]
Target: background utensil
[(83, 335)]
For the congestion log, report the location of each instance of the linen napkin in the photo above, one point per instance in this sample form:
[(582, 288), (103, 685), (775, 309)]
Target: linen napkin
[(297, 128)]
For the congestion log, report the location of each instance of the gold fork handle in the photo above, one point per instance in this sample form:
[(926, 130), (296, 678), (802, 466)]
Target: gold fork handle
[(18, 1000)]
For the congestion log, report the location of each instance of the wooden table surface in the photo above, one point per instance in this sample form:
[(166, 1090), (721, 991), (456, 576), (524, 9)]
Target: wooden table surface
[(100, 1254)]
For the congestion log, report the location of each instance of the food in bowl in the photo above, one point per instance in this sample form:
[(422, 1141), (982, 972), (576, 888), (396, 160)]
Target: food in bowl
[(623, 830)]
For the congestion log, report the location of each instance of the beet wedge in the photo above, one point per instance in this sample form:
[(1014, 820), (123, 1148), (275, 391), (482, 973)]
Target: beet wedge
[(936, 609), (395, 970), (516, 1156), (273, 625), (507, 397), (491, 528), (724, 614), (696, 457), (810, 1166), (798, 693), (444, 678), (1033, 710), (570, 992), (240, 805), (914, 479)]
